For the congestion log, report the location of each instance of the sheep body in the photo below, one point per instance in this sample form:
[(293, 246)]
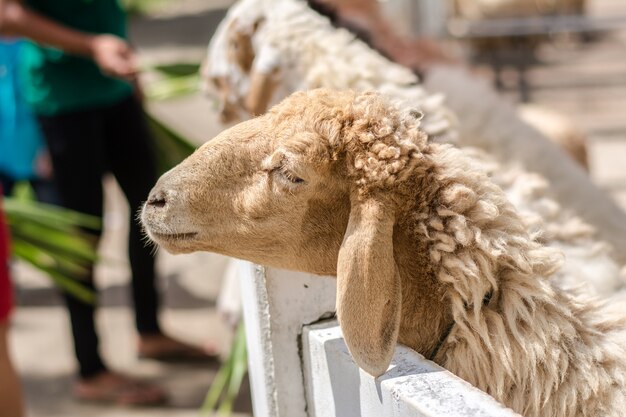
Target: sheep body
[(421, 240)]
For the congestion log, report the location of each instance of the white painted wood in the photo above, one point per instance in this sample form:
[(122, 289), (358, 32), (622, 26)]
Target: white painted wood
[(412, 387), (277, 304), (300, 367), (258, 340)]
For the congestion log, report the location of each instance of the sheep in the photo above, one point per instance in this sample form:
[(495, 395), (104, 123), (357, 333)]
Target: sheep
[(286, 39), (308, 52), (427, 250)]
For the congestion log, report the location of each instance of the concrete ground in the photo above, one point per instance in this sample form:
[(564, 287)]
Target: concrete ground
[(40, 337)]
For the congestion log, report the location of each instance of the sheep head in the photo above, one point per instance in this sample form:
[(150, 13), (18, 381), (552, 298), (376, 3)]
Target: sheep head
[(314, 185), (242, 88)]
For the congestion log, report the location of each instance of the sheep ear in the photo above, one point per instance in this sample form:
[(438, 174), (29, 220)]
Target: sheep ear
[(368, 287), (262, 86), (239, 47)]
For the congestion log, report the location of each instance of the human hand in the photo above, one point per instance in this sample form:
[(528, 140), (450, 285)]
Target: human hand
[(43, 165), (114, 56)]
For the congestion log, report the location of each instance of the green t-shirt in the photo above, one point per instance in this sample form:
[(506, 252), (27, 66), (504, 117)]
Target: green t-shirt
[(57, 82)]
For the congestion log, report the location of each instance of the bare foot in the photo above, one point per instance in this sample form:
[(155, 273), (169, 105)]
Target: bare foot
[(164, 348), (113, 388)]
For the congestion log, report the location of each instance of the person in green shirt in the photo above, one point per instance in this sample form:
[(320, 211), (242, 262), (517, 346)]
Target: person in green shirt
[(79, 73)]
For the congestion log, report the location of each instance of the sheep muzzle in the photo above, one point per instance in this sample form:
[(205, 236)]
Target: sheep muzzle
[(162, 223)]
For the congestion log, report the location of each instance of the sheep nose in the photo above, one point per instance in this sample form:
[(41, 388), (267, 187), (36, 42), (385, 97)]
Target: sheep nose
[(157, 199)]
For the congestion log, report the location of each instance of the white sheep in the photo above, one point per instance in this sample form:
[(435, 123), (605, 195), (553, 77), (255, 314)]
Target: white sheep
[(266, 49), (427, 250), (257, 57)]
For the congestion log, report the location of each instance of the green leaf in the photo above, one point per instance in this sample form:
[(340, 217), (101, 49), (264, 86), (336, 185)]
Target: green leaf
[(67, 265), (140, 7), (228, 380), (175, 80), (52, 240), (31, 255), (172, 87), (49, 214), (63, 243), (176, 69)]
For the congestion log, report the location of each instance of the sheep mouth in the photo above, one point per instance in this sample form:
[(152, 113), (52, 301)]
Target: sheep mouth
[(175, 236)]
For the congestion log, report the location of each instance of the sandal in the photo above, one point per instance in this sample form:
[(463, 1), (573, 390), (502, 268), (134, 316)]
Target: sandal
[(112, 388), (165, 349)]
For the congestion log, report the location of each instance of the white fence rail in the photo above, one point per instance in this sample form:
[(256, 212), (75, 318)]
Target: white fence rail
[(301, 367)]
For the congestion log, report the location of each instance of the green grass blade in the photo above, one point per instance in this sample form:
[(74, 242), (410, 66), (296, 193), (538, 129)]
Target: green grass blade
[(228, 380), (50, 238), (217, 387), (77, 269), (238, 372)]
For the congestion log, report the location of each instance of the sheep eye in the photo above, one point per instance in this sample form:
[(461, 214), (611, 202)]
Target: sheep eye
[(288, 175), (291, 176)]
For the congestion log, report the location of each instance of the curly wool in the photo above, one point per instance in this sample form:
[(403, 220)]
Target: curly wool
[(386, 149), (532, 347), (588, 264), (539, 349)]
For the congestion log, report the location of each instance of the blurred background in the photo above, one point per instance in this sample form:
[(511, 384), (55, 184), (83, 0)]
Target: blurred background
[(567, 56)]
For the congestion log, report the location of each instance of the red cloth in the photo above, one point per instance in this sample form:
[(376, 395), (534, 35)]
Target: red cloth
[(6, 293)]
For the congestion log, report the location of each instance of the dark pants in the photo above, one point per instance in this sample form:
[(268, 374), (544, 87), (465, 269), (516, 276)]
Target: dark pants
[(83, 146)]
